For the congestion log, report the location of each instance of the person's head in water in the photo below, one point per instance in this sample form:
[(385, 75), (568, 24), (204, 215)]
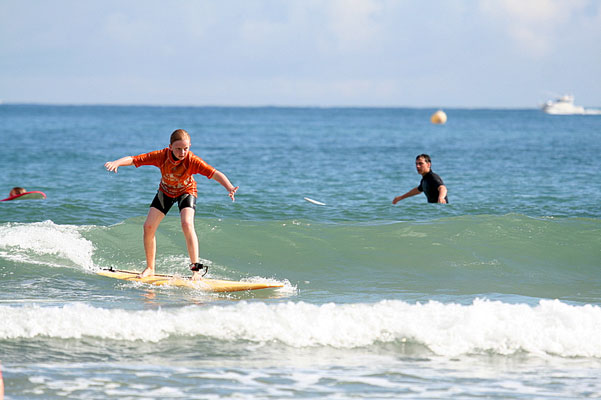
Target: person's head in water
[(423, 164), (16, 190), (179, 144)]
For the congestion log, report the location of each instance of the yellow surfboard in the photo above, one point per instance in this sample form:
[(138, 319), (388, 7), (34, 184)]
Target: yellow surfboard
[(210, 285)]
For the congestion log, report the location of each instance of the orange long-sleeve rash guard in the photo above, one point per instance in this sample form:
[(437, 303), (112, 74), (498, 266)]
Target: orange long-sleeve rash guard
[(176, 174)]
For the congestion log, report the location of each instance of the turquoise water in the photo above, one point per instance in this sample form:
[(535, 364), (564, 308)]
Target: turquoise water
[(496, 295)]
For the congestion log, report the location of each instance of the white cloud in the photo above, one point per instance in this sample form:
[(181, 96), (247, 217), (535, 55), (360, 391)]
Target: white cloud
[(353, 22), (533, 25), (126, 29), (323, 52)]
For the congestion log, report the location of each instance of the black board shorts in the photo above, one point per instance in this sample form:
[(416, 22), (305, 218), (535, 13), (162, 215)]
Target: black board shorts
[(163, 203)]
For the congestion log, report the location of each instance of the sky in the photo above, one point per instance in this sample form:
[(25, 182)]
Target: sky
[(325, 53)]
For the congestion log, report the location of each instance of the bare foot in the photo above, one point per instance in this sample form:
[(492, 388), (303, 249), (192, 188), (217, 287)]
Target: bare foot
[(196, 276), (146, 272)]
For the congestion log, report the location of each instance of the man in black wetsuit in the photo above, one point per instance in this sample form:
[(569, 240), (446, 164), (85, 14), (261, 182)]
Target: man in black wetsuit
[(431, 184)]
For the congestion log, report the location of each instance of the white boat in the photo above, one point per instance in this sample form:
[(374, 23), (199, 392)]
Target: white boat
[(563, 105)]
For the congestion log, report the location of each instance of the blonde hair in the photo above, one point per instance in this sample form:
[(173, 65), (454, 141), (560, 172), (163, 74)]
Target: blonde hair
[(180, 134)]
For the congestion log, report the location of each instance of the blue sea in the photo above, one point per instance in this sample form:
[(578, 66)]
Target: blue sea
[(496, 295)]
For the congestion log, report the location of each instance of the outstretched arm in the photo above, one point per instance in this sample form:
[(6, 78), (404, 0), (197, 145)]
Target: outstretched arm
[(410, 193), (221, 178), (112, 166)]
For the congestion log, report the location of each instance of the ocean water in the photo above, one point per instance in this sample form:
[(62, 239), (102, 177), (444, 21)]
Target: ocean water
[(496, 295)]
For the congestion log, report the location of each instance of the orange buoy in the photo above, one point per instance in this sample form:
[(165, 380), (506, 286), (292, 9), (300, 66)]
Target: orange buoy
[(439, 117)]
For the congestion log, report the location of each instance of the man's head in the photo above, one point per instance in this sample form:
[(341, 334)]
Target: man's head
[(423, 164)]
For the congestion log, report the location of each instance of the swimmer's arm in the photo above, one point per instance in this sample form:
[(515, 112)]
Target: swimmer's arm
[(410, 193), (442, 193), (112, 166), (222, 179)]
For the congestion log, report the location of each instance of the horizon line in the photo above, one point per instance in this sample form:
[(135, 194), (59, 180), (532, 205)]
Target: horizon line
[(101, 104)]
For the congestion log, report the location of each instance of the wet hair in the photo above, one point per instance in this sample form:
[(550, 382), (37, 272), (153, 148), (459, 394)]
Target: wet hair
[(18, 190), (425, 157), (179, 134)]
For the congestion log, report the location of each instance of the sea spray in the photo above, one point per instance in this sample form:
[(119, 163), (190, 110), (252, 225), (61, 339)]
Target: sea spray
[(551, 327), (63, 243)]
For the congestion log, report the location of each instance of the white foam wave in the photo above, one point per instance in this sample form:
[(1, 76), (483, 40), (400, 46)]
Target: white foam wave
[(551, 327), (27, 242), (591, 111)]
